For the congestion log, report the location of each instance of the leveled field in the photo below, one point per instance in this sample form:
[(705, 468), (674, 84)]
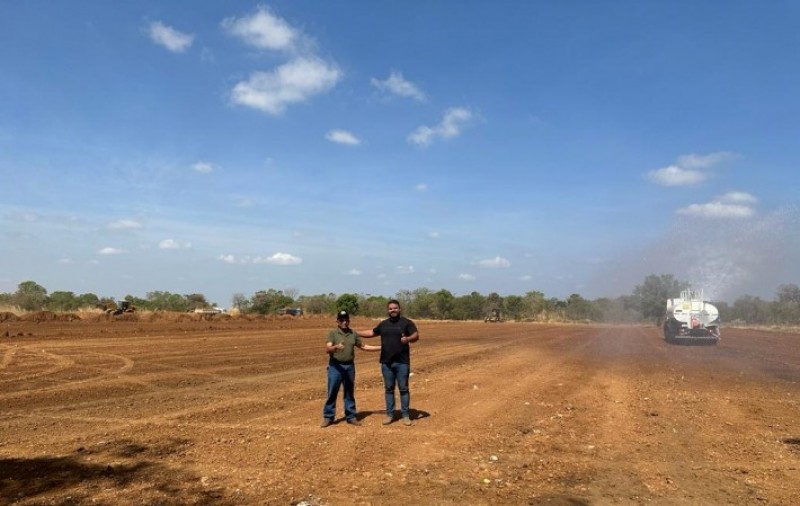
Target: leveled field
[(227, 412)]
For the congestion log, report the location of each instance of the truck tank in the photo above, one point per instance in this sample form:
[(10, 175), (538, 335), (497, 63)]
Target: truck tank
[(690, 319)]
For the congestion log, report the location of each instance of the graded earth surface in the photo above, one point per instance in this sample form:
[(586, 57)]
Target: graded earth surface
[(227, 412)]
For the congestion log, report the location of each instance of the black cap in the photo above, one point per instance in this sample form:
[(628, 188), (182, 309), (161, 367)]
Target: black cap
[(342, 315)]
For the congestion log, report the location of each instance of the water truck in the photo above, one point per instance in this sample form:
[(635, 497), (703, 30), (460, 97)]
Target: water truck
[(691, 320)]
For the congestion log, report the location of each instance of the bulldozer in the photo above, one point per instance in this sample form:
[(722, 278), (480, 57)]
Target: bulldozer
[(494, 316), (122, 307)]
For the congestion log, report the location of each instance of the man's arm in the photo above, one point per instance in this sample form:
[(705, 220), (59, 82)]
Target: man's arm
[(412, 338), (366, 333), (368, 347), (330, 347)]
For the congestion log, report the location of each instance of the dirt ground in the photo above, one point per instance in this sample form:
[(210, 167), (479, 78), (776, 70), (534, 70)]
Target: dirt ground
[(227, 412)]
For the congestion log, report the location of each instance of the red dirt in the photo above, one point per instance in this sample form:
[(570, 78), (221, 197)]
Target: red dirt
[(227, 412)]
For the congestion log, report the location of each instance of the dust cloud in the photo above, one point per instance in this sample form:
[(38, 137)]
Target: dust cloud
[(725, 258)]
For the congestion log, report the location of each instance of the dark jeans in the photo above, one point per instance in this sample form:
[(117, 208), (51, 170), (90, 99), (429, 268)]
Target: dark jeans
[(338, 374), (396, 373)]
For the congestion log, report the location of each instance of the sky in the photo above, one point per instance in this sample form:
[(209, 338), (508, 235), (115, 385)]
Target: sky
[(372, 147)]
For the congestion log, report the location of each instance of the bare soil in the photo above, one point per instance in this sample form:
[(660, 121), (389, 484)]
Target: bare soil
[(227, 411)]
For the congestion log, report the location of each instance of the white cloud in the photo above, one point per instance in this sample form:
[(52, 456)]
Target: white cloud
[(263, 30), (687, 170), (65, 261), (244, 202), (738, 198), (466, 277), (381, 276), (405, 269), (292, 82), (693, 161), (204, 167), (495, 262), (173, 244), (342, 137), (433, 235), (279, 259), (453, 121), (354, 272), (421, 187), (526, 277), (675, 176), (397, 85), (170, 38), (110, 251), (228, 259), (124, 225), (718, 210)]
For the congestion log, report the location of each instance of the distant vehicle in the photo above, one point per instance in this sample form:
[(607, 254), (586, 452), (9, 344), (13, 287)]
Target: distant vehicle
[(208, 310), (118, 308), (291, 311), (494, 316), (689, 319)]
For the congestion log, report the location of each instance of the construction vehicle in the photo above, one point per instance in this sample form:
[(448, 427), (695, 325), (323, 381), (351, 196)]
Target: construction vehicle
[(494, 316), (690, 319), (291, 311), (121, 307)]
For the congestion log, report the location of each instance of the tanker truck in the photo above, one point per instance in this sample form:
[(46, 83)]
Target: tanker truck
[(690, 319)]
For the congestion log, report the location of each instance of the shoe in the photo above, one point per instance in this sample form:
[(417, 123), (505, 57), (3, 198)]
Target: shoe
[(406, 421), (354, 421), (388, 420), (325, 422)]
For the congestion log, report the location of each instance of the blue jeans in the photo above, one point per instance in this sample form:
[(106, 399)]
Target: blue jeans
[(339, 374), (396, 373)]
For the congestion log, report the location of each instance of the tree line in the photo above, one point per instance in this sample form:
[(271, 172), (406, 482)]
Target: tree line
[(645, 304)]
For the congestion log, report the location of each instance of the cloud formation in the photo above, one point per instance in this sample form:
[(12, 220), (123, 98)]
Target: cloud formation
[(108, 250), (204, 167), (451, 125), (124, 225), (397, 85), (675, 176), (279, 259), (292, 82), (263, 30), (170, 38), (688, 169), (494, 263), (342, 137), (734, 205), (466, 277), (173, 244)]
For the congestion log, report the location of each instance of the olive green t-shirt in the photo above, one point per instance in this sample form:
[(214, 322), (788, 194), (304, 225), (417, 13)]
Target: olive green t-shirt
[(349, 339)]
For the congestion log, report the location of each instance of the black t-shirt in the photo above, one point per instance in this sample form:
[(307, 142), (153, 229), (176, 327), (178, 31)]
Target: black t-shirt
[(391, 330)]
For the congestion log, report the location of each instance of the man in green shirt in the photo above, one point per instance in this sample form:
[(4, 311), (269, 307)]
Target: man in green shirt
[(340, 346)]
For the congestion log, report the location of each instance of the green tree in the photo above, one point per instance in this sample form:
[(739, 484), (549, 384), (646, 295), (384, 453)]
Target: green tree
[(63, 301), (269, 301), (651, 296), (469, 307), (30, 296), (347, 302), (442, 305)]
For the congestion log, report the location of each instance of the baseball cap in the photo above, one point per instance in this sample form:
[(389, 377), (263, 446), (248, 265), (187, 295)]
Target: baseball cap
[(343, 315)]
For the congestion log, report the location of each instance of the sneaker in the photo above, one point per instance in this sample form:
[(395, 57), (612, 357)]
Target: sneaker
[(325, 422), (406, 420), (388, 420), (354, 421)]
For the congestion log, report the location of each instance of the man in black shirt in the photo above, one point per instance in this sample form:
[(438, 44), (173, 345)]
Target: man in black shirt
[(396, 333)]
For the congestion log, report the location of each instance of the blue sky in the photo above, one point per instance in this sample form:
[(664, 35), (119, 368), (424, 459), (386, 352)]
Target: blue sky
[(370, 147)]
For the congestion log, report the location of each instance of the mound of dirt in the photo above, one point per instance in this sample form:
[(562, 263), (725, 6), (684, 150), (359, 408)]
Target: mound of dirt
[(40, 316), (7, 316)]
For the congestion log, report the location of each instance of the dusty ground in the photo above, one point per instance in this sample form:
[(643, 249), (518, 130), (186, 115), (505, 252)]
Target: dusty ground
[(227, 412)]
